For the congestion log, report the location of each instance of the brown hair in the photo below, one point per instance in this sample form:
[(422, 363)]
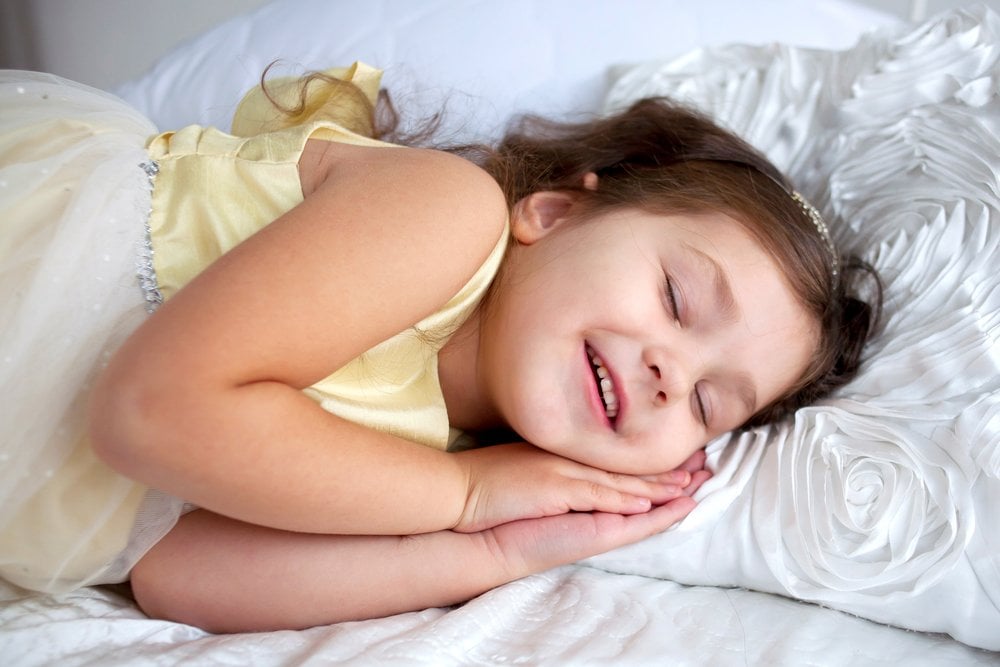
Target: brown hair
[(665, 158)]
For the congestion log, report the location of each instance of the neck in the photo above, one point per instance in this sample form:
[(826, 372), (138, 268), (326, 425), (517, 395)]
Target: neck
[(469, 408)]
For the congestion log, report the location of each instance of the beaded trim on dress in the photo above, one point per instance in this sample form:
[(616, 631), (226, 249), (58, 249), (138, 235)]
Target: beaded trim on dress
[(145, 270)]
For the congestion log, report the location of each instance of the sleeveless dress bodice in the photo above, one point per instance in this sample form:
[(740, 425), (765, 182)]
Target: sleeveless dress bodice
[(215, 189)]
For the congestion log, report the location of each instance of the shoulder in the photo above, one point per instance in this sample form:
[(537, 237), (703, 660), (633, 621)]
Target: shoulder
[(418, 173), (434, 201), (387, 237)]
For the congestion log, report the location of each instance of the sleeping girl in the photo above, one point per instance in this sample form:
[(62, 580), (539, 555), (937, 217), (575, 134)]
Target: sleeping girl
[(234, 362)]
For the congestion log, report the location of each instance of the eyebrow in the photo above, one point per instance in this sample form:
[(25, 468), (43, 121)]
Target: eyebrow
[(725, 302)]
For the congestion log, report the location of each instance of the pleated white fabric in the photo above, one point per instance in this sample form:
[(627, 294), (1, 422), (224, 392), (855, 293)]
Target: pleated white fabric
[(73, 203), (881, 501)]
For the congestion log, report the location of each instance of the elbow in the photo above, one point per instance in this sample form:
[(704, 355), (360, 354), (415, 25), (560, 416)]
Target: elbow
[(122, 422)]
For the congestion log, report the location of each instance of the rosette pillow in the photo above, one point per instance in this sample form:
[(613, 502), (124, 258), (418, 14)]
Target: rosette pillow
[(883, 500)]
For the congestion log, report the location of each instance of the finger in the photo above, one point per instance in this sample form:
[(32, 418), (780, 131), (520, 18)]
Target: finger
[(677, 477), (657, 488), (532, 545), (628, 529), (588, 496), (697, 479), (695, 462)]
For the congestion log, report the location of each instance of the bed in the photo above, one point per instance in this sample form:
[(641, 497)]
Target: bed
[(864, 530)]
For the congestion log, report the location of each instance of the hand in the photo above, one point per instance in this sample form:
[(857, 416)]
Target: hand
[(519, 481), (695, 465), (524, 547)]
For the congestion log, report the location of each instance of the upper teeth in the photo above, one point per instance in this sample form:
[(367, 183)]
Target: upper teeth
[(605, 384)]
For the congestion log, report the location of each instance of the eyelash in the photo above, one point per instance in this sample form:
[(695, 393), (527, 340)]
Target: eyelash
[(701, 408), (672, 299), (674, 310)]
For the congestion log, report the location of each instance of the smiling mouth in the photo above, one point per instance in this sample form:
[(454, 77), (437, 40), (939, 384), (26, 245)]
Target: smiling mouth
[(605, 385)]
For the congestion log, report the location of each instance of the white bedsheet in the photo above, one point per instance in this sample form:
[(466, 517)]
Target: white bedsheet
[(573, 615)]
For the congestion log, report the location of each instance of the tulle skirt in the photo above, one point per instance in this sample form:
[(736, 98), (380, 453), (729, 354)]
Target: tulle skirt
[(73, 206)]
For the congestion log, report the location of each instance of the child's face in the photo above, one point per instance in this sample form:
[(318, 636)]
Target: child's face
[(687, 317)]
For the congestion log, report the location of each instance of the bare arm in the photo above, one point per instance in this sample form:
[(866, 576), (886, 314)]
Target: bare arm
[(204, 400), (204, 574)]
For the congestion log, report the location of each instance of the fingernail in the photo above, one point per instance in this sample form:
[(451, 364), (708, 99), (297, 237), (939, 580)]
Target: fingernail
[(682, 477), (671, 489)]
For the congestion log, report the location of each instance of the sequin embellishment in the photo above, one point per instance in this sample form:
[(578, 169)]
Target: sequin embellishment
[(145, 270)]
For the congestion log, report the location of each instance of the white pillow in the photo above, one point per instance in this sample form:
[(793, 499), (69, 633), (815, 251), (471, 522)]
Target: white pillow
[(486, 59), (884, 500)]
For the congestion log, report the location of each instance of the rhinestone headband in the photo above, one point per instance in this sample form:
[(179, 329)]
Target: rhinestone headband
[(824, 232)]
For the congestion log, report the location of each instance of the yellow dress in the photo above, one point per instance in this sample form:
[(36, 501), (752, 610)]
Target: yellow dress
[(67, 520)]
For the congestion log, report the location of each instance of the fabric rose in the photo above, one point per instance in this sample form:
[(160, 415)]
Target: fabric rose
[(864, 503), (880, 502)]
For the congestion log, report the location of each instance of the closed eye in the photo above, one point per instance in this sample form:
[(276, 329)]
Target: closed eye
[(672, 299), (672, 303), (702, 413)]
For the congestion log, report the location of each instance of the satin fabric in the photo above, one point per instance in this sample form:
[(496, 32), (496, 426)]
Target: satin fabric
[(881, 500)]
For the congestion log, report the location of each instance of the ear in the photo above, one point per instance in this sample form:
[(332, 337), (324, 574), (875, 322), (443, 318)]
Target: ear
[(539, 213)]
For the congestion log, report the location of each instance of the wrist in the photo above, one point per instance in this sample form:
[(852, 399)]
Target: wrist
[(466, 463)]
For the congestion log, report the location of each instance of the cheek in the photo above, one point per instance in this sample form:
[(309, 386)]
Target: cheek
[(534, 404), (668, 448)]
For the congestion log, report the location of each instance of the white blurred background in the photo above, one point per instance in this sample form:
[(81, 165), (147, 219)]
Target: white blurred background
[(107, 42)]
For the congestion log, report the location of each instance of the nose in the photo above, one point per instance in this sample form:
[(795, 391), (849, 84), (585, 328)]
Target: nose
[(671, 376)]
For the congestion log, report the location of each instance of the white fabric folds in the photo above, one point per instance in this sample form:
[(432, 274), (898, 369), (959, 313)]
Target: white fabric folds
[(884, 500)]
